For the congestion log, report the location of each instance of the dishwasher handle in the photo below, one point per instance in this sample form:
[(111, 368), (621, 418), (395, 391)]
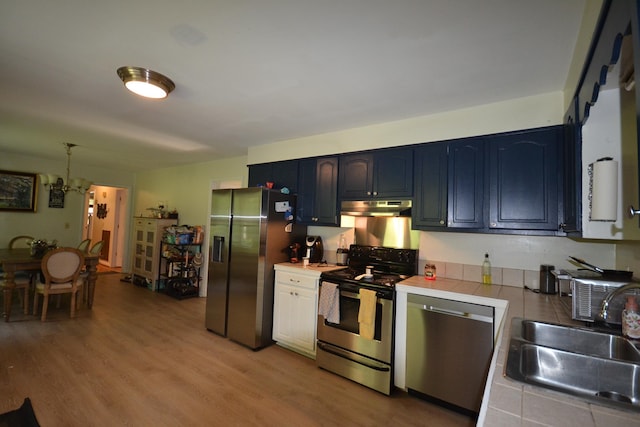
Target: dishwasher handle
[(450, 312)]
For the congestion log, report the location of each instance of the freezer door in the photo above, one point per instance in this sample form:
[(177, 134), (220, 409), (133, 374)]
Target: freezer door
[(219, 251), (246, 267)]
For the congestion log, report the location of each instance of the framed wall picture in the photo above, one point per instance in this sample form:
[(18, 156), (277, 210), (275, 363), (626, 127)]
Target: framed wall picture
[(18, 191)]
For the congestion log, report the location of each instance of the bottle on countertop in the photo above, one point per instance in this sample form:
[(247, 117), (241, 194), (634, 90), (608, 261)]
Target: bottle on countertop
[(430, 271), (486, 270), (631, 319), (342, 253)]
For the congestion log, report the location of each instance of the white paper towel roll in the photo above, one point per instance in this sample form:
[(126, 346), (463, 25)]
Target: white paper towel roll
[(604, 190)]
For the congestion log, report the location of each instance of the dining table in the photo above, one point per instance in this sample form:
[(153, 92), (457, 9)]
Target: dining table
[(21, 259)]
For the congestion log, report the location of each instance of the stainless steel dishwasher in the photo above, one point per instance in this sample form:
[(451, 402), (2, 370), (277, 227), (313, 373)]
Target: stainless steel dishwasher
[(449, 348)]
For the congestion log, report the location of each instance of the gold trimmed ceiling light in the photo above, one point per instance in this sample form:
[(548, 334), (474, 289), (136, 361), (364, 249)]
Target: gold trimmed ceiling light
[(145, 82), (50, 180)]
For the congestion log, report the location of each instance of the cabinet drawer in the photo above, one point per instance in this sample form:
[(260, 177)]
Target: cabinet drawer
[(299, 280)]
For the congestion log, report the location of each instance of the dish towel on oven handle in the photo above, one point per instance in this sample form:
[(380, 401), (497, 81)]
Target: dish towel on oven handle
[(367, 313), (329, 304)]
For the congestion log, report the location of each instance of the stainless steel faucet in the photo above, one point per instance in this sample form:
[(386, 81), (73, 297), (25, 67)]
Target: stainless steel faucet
[(604, 307)]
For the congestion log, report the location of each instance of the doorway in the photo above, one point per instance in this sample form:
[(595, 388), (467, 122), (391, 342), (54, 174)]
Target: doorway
[(105, 218)]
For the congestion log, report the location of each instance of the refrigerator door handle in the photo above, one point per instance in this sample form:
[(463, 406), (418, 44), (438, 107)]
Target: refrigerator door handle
[(218, 245)]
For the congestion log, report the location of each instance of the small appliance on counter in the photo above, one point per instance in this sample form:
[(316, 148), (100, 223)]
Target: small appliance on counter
[(342, 254), (547, 279), (581, 292), (294, 252), (314, 248)]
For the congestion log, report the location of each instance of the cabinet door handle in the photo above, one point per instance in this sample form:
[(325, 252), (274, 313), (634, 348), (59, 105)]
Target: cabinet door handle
[(294, 281), (375, 193), (368, 193), (442, 222)]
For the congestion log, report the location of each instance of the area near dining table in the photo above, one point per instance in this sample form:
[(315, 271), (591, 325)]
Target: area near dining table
[(14, 260)]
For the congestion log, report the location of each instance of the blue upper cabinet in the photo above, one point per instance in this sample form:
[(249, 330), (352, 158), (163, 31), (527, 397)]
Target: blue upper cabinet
[(466, 184), (523, 179), (572, 171), (381, 174), (317, 202), (504, 183), (430, 185), (282, 174), (356, 176)]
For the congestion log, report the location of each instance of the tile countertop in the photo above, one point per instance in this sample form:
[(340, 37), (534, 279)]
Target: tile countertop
[(507, 402), (314, 269)]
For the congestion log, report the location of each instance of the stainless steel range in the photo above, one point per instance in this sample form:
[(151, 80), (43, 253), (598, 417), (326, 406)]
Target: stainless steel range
[(342, 347)]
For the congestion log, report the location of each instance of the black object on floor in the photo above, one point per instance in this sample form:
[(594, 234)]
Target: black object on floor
[(21, 417)]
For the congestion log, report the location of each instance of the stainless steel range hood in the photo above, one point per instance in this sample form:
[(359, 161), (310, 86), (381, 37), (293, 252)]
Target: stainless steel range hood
[(376, 207)]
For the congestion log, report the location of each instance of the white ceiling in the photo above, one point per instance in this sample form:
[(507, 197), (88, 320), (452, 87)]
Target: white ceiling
[(251, 72)]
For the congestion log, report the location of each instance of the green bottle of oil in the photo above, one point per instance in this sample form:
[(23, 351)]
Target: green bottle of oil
[(486, 270)]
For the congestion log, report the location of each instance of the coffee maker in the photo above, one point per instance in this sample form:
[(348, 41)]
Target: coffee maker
[(314, 248)]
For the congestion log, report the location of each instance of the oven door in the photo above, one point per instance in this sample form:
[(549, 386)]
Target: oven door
[(346, 334)]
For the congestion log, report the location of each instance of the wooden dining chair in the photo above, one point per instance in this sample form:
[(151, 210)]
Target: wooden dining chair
[(84, 245), (22, 278), (84, 274), (21, 242), (61, 270), (96, 248), (22, 282)]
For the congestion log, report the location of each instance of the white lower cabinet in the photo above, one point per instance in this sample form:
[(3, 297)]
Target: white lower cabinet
[(295, 311)]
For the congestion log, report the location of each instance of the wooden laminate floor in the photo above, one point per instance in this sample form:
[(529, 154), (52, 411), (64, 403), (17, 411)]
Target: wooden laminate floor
[(144, 359)]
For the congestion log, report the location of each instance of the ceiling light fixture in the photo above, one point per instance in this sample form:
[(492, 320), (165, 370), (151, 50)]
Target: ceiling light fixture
[(50, 180), (145, 82)]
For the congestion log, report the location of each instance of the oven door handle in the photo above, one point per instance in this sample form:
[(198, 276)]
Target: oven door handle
[(371, 364), (350, 294), (353, 295)]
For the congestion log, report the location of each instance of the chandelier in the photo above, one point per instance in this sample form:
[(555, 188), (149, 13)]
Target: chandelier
[(50, 180)]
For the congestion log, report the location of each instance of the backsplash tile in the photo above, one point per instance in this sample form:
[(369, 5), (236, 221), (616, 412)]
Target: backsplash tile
[(453, 270), (472, 273), (513, 277), (496, 275), (532, 279)]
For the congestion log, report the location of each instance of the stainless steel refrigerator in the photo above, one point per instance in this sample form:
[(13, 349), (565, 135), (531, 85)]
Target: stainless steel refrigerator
[(251, 230)]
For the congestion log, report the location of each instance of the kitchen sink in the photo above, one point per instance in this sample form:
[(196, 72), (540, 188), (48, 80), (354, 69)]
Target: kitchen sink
[(577, 340), (600, 367)]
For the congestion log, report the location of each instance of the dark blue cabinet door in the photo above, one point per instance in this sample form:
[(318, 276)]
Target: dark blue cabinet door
[(259, 174), (317, 202), (282, 174), (466, 183), (524, 180), (356, 176), (393, 173), (430, 185), (571, 200), (285, 174), (326, 199), (387, 173), (306, 200)]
